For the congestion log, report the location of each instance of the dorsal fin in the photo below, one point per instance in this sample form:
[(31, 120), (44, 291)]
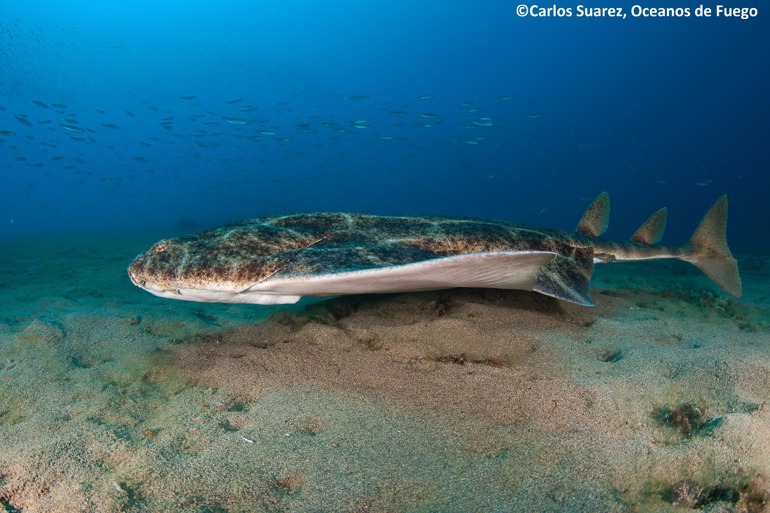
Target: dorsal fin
[(652, 229), (594, 222)]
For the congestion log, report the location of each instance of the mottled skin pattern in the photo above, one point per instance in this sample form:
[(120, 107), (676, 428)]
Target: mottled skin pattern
[(255, 250), (278, 260)]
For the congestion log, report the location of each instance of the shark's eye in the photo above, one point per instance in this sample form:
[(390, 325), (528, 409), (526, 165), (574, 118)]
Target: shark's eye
[(161, 246)]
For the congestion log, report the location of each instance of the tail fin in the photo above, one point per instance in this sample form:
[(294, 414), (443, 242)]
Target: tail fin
[(708, 250)]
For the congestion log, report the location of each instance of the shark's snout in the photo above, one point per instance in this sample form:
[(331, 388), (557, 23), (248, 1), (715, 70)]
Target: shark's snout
[(155, 268)]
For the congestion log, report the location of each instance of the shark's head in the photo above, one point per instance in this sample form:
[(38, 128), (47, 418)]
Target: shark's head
[(167, 270), (218, 265)]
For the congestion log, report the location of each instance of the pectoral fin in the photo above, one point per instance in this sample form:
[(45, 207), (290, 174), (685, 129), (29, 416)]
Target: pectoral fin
[(567, 277)]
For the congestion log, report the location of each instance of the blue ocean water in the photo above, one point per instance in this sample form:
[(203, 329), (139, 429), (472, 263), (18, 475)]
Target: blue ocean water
[(122, 117), (123, 122)]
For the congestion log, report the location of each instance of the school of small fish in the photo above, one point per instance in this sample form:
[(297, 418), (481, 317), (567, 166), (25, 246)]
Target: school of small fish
[(207, 123)]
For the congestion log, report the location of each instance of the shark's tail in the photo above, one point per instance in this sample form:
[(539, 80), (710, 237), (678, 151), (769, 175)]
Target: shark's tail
[(708, 250)]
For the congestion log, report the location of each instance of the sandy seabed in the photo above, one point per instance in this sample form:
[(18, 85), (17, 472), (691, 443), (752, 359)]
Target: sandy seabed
[(112, 400)]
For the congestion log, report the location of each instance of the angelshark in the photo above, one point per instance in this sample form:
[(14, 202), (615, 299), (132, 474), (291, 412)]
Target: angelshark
[(278, 260)]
